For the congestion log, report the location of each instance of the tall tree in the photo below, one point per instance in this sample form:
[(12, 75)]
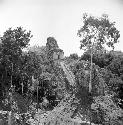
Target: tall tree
[(13, 42), (96, 33)]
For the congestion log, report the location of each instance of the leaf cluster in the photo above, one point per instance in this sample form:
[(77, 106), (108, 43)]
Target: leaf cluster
[(98, 31)]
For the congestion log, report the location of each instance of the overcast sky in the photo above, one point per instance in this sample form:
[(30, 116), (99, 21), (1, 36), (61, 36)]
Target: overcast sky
[(58, 18)]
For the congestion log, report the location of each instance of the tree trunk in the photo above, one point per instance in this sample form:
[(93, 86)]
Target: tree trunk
[(9, 118), (90, 83)]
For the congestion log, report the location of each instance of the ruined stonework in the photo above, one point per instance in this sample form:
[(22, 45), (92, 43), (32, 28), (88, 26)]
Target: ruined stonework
[(53, 50)]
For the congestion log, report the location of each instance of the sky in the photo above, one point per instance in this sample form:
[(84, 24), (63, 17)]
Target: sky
[(60, 19)]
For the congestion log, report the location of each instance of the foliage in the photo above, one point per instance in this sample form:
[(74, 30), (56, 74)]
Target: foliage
[(101, 58), (74, 56), (97, 32), (58, 86), (61, 114), (13, 42), (31, 64), (81, 70), (40, 51), (116, 66), (111, 64), (103, 82), (111, 113)]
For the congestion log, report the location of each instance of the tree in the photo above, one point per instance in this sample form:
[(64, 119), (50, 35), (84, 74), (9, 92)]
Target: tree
[(74, 56), (13, 42), (96, 33), (116, 66), (107, 110), (40, 51), (102, 59)]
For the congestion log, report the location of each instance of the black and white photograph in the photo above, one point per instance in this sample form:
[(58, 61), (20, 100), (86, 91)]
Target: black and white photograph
[(61, 62)]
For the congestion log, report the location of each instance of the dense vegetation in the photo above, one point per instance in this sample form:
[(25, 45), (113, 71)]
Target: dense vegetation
[(40, 81)]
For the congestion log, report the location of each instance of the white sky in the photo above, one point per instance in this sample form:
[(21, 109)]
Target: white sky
[(58, 18)]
